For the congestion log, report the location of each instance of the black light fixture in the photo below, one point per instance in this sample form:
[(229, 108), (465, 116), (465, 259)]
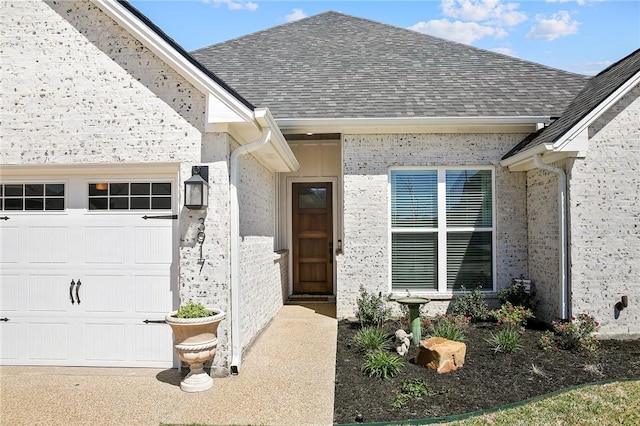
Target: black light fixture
[(623, 303), (196, 188)]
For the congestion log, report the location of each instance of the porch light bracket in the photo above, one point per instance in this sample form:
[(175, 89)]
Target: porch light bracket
[(196, 188)]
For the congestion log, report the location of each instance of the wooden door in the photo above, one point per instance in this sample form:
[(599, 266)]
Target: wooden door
[(312, 238)]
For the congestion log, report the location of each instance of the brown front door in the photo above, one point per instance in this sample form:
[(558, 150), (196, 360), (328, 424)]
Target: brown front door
[(312, 238)]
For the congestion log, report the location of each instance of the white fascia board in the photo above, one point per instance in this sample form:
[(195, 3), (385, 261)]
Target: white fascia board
[(412, 124), (176, 61), (576, 138), (278, 142)]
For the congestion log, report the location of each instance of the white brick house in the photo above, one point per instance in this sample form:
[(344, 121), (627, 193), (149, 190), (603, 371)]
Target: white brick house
[(383, 169)]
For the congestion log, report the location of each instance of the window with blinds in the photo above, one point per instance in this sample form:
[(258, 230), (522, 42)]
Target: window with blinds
[(441, 229)]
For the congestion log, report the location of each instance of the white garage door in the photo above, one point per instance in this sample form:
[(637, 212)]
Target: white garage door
[(85, 279)]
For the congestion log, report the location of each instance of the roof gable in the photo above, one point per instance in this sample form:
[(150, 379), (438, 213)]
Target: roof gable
[(333, 65), (582, 108)]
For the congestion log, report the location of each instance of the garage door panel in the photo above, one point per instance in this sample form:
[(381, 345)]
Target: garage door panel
[(48, 244), (10, 340), (104, 244), (49, 293), (152, 294), (151, 343), (149, 246), (9, 238), (103, 293), (104, 342), (9, 292), (48, 341)]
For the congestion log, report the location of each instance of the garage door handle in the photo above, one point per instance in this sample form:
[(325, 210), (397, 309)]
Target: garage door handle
[(73, 283), (4, 319), (4, 217), (148, 321), (78, 291), (166, 216)]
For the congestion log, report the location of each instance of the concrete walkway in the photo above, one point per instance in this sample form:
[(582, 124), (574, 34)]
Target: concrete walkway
[(286, 379)]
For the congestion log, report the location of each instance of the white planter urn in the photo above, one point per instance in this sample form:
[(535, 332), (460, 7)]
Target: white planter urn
[(195, 340)]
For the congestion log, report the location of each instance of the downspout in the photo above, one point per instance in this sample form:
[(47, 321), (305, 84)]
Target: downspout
[(234, 178), (562, 219)]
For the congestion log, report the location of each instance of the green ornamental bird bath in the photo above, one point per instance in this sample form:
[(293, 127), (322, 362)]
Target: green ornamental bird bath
[(414, 303)]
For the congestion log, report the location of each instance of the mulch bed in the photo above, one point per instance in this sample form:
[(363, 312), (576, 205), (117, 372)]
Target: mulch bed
[(486, 380)]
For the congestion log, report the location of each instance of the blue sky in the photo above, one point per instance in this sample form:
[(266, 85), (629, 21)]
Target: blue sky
[(582, 36)]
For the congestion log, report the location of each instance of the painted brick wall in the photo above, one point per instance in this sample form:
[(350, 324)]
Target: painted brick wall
[(260, 268), (605, 220), (542, 218), (78, 89), (366, 159)]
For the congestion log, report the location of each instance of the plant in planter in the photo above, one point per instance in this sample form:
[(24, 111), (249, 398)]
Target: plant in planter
[(195, 329)]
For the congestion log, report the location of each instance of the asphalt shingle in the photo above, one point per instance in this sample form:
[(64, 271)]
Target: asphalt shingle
[(594, 93), (333, 65)]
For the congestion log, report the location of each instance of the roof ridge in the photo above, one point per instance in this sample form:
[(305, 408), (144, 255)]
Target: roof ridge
[(395, 28)]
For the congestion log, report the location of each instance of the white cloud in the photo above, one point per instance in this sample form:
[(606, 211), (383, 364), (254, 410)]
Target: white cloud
[(295, 15), (472, 20), (504, 51), (236, 5), (490, 12), (580, 2), (463, 32), (558, 25), (590, 68)]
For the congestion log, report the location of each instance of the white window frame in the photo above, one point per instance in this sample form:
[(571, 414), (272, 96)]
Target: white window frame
[(442, 230)]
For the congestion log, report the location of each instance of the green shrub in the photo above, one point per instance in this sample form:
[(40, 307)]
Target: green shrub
[(517, 296), (506, 340), (193, 310), (372, 310), (382, 365), (576, 335), (372, 339), (452, 327), (511, 316), (471, 304), (410, 389)]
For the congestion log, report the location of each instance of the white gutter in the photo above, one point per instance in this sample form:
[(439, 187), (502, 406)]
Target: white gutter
[(234, 178), (562, 219), (341, 125)]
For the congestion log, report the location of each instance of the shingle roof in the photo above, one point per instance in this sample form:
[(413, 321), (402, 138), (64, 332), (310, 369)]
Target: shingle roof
[(594, 93), (333, 65)]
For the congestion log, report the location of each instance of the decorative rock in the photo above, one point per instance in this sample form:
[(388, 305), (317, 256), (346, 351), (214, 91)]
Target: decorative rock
[(403, 340), (440, 354)]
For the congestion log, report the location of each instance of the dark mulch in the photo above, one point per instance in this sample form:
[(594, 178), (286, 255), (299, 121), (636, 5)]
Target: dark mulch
[(486, 380)]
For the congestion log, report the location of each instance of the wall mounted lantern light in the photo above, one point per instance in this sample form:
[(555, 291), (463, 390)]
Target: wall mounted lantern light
[(196, 188)]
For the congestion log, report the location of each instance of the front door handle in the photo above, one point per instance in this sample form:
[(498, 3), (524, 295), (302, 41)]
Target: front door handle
[(73, 283)]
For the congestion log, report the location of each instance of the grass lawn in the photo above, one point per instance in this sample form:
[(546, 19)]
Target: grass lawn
[(601, 405)]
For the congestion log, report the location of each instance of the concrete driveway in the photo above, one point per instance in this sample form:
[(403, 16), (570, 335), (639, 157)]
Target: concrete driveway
[(286, 379)]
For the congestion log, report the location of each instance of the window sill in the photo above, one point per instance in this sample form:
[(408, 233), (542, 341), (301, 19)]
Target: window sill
[(439, 296)]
